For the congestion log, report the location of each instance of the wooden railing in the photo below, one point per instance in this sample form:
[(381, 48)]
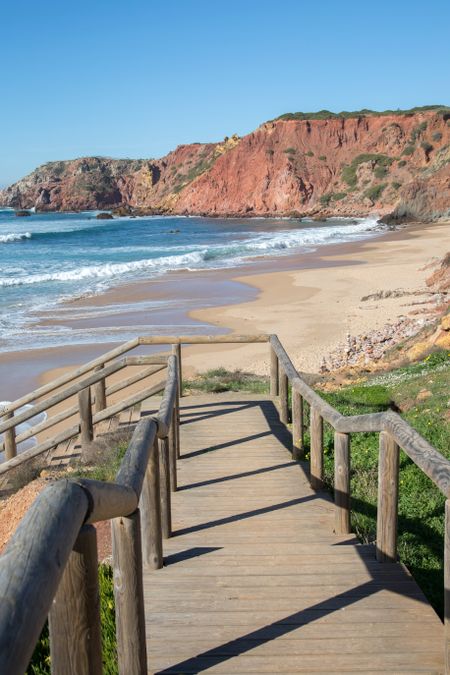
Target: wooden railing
[(50, 564)]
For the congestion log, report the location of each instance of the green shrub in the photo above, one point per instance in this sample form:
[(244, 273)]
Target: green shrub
[(365, 112), (437, 136), (325, 199), (375, 192), (290, 151), (408, 150), (402, 163), (426, 147), (396, 185), (322, 158), (381, 162), (310, 153), (417, 131), (220, 380), (380, 172)]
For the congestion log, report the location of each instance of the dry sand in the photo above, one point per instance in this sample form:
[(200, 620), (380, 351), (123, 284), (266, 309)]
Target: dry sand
[(310, 308)]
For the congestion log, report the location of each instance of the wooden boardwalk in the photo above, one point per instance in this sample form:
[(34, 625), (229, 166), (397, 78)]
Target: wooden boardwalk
[(255, 581)]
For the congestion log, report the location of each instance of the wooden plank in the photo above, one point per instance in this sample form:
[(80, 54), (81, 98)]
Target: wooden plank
[(254, 578)]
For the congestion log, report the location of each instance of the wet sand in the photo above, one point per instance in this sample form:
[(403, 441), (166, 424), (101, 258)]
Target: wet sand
[(311, 301)]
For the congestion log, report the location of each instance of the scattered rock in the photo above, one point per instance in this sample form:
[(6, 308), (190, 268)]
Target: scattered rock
[(423, 395), (22, 214), (104, 216)]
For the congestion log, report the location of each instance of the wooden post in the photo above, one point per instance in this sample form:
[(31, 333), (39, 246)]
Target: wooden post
[(342, 483), (176, 350), (164, 477), (10, 438), (447, 588), (129, 594), (298, 439), (177, 426), (74, 619), (99, 392), (85, 412), (316, 451), (173, 450), (388, 462), (150, 507), (284, 403), (274, 384)]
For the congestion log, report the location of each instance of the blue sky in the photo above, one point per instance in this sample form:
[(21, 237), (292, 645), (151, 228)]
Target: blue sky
[(137, 78)]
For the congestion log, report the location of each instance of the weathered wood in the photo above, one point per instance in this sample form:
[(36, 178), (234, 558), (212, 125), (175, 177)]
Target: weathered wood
[(48, 423), (42, 406), (74, 619), (10, 439), (99, 391), (201, 339), (285, 362), (173, 439), (176, 351), (342, 483), (168, 400), (140, 453), (150, 507), (31, 567), (284, 397), (427, 458), (72, 375), (164, 482), (177, 426), (388, 469), (298, 437), (85, 412), (447, 588), (316, 451), (137, 377), (129, 594), (255, 571), (108, 500), (156, 359), (274, 385)]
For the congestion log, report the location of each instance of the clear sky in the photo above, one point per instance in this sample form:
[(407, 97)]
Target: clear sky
[(135, 78)]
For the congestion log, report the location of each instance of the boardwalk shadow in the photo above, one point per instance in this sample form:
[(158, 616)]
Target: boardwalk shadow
[(243, 516), (189, 553), (248, 641), (234, 476)]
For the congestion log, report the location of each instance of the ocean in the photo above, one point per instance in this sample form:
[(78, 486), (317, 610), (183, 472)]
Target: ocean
[(48, 259)]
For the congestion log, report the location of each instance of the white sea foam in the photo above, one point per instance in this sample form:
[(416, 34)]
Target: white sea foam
[(217, 255), (12, 236)]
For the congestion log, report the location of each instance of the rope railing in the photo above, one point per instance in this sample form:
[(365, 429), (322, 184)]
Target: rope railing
[(51, 560)]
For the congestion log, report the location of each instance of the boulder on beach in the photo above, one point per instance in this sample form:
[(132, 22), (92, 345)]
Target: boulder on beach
[(104, 216), (22, 214)]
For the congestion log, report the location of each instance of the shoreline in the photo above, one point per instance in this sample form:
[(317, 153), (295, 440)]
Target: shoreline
[(301, 297)]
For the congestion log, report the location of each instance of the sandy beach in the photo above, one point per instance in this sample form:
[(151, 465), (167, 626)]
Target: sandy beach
[(311, 301)]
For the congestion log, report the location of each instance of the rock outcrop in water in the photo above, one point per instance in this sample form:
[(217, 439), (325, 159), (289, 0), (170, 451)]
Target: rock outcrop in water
[(395, 164)]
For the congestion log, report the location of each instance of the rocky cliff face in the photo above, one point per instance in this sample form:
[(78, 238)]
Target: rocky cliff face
[(340, 166)]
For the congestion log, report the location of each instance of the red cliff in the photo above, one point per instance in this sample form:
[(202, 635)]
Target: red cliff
[(342, 166)]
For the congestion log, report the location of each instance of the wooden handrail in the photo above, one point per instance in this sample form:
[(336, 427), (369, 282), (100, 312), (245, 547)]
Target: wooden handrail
[(39, 550)]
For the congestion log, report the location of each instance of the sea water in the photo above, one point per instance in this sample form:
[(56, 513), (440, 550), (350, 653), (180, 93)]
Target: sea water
[(49, 258)]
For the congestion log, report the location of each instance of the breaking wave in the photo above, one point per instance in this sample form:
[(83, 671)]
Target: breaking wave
[(249, 245), (8, 238)]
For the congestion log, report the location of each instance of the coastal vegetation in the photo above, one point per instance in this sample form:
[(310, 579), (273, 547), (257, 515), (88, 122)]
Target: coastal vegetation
[(365, 112), (380, 165)]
